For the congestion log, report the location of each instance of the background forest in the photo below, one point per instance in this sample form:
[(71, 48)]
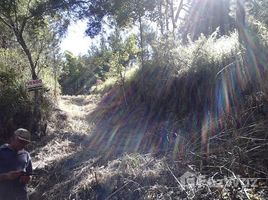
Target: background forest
[(196, 68)]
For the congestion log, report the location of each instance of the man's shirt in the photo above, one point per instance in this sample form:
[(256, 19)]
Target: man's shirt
[(11, 160)]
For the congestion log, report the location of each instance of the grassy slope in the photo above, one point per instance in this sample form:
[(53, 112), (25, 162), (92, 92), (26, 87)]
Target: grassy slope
[(82, 159), (88, 158), (208, 97)]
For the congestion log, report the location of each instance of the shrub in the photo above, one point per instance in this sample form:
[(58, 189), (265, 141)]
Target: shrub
[(185, 80), (15, 102)]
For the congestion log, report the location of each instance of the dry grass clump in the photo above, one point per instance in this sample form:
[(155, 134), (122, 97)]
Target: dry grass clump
[(67, 131), (129, 177), (53, 151), (72, 112), (137, 176), (133, 176), (239, 152)]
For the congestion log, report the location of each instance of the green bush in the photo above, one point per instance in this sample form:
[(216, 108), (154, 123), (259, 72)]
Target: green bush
[(185, 78), (16, 103)]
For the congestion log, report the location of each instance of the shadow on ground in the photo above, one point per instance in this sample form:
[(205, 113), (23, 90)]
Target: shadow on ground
[(74, 165)]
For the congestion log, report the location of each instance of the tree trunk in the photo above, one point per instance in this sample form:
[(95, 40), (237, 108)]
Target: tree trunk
[(161, 18), (55, 72), (142, 59), (36, 106), (141, 41), (167, 17), (29, 56), (173, 18), (123, 86), (240, 20), (179, 10)]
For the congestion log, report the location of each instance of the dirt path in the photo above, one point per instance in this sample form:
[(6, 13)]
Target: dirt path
[(67, 130), (77, 147), (64, 150)]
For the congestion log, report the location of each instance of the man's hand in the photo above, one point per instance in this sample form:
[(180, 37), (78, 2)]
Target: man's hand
[(12, 175), (25, 179)]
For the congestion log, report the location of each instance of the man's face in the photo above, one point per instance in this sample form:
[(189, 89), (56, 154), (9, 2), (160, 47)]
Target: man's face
[(18, 144)]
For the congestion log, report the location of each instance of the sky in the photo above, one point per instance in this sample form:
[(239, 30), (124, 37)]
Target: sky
[(76, 41)]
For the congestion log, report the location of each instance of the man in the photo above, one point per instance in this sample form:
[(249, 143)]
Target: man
[(15, 167)]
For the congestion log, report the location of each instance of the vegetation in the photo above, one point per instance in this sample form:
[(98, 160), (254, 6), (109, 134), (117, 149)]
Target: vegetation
[(182, 81), (16, 101)]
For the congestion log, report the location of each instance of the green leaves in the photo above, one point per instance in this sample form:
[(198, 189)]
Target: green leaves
[(127, 12), (124, 12), (123, 53)]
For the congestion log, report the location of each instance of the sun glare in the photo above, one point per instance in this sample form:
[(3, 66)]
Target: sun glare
[(76, 41)]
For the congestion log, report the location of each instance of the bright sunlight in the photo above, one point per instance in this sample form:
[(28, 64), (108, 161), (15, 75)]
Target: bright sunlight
[(133, 100)]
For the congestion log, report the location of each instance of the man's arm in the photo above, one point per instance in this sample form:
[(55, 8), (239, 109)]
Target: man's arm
[(10, 175), (26, 176), (29, 168), (3, 177)]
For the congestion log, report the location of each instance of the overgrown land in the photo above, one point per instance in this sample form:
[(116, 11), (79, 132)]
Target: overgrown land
[(171, 101)]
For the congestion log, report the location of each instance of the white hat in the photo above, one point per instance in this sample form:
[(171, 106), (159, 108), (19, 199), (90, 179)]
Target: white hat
[(23, 134)]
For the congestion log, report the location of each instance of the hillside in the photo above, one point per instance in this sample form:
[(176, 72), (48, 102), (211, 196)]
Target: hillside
[(87, 158), (169, 101)]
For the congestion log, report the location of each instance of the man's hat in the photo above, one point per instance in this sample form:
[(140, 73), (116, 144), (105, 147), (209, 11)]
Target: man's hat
[(23, 134)]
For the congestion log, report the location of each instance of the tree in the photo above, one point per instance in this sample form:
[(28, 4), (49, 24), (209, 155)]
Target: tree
[(26, 16), (26, 19), (80, 73), (73, 74), (240, 19), (124, 12), (122, 54), (205, 17), (168, 14)]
